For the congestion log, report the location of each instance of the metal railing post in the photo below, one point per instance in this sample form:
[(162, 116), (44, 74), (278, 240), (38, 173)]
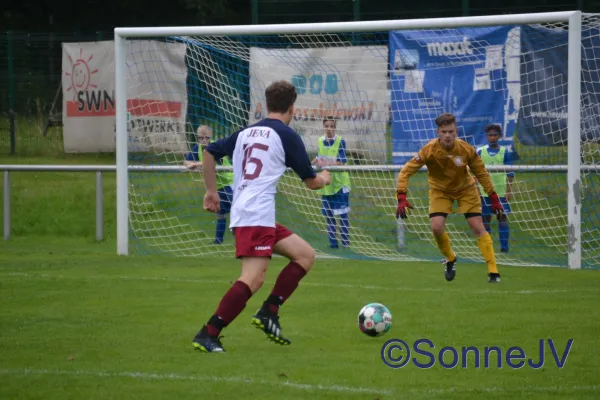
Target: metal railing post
[(6, 205), (99, 207)]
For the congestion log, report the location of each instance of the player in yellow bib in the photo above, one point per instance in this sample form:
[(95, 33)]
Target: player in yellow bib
[(495, 154), (336, 196), (193, 162)]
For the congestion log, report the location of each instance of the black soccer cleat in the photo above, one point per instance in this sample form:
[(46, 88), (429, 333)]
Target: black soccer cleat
[(493, 277), (449, 269), (269, 323), (207, 343)]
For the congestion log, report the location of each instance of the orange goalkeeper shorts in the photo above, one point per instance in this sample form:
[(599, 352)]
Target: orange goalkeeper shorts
[(468, 200)]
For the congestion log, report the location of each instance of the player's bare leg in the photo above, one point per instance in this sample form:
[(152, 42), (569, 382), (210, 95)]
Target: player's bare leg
[(302, 258), (232, 304), (438, 227), (254, 270), (486, 246)]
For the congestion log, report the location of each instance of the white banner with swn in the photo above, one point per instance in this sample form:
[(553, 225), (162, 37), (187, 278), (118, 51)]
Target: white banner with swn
[(157, 96)]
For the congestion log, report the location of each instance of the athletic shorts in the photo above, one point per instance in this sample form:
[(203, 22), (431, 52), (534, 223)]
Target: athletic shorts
[(258, 241), (226, 196), (442, 202), (336, 204), (486, 206)]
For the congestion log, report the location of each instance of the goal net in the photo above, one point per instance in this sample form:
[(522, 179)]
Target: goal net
[(384, 88)]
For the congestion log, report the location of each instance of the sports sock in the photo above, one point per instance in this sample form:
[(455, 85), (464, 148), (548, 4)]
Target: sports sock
[(344, 225), (487, 251), (231, 305), (221, 226), (286, 283), (504, 232), (443, 243), (331, 229)]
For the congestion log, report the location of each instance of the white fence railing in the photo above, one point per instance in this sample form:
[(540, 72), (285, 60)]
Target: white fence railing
[(99, 169)]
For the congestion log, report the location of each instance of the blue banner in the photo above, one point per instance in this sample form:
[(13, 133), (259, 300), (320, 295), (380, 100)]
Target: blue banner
[(472, 73), (544, 86)]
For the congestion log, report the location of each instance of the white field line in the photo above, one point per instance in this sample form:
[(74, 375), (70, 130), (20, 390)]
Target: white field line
[(313, 284), (199, 378), (301, 386)]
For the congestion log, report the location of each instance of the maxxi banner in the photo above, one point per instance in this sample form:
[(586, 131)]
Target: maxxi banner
[(472, 73)]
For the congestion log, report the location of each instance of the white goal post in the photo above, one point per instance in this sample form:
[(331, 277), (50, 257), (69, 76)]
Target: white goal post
[(320, 35)]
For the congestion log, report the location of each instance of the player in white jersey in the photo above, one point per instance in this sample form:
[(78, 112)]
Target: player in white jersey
[(261, 153)]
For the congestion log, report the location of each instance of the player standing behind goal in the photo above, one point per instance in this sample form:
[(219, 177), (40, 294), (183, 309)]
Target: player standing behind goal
[(193, 162), (261, 154), (336, 196), (447, 159), (495, 154)]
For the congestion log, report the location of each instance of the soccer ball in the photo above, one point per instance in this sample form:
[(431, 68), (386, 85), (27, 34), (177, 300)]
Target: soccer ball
[(375, 319)]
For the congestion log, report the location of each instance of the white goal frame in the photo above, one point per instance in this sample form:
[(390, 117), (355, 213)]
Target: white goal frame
[(573, 18)]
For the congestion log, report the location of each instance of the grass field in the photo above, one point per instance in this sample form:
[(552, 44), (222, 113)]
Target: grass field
[(80, 322)]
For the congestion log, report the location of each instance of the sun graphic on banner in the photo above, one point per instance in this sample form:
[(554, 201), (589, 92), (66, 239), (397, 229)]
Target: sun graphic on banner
[(81, 74)]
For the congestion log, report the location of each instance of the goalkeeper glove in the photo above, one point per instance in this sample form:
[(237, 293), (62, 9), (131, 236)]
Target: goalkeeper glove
[(403, 206), (496, 205)]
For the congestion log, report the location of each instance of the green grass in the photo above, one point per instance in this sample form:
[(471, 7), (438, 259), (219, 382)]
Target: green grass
[(59, 203), (80, 322), (29, 136)]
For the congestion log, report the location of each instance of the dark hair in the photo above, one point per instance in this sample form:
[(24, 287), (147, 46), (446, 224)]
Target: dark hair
[(330, 118), (280, 95), (445, 119), (493, 127)]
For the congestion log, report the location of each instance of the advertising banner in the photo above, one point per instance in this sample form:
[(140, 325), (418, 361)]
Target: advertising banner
[(349, 83), (544, 111), (157, 96), (472, 73)]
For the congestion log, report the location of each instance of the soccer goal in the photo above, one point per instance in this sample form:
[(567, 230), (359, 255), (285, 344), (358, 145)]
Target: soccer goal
[(535, 76)]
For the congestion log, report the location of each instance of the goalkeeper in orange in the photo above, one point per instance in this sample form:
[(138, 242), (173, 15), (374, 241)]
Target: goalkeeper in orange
[(448, 161)]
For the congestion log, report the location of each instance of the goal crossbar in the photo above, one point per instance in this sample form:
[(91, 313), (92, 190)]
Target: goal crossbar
[(353, 26)]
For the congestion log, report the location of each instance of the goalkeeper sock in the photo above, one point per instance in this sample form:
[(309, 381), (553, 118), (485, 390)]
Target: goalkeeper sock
[(286, 283), (345, 224), (504, 234), (231, 305), (443, 243), (487, 251), (221, 225)]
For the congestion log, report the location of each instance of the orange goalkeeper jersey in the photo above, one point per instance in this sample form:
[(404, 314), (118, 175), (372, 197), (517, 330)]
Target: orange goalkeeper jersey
[(447, 169)]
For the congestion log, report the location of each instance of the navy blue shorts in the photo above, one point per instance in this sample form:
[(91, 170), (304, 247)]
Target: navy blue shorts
[(486, 206), (226, 196), (337, 204)]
